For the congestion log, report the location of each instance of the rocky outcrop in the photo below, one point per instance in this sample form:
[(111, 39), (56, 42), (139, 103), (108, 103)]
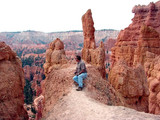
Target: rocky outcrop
[(11, 85), (56, 85), (128, 38), (90, 53), (148, 15), (134, 52), (100, 89), (153, 74), (55, 61), (149, 41), (55, 56), (131, 84), (6, 52)]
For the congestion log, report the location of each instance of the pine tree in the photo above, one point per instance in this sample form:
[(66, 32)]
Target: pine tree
[(28, 93)]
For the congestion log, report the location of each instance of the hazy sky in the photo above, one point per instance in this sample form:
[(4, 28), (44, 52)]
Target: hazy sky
[(63, 15)]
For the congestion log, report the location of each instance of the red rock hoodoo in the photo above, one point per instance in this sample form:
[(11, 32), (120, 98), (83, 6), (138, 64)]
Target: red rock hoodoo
[(55, 56), (135, 51), (91, 54), (11, 85)]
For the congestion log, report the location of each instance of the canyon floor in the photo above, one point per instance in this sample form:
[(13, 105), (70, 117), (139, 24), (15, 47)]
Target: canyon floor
[(78, 106)]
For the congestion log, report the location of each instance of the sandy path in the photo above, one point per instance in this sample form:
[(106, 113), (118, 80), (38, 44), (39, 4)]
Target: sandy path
[(77, 106)]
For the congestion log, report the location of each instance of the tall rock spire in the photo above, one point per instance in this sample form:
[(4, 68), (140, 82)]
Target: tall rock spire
[(88, 30), (91, 54)]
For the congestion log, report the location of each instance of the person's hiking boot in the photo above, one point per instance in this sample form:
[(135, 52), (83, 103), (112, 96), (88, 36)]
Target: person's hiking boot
[(79, 89)]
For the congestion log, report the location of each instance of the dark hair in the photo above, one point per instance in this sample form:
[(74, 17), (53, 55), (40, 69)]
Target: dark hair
[(78, 57)]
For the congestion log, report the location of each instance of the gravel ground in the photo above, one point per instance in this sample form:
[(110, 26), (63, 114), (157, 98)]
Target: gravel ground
[(78, 106)]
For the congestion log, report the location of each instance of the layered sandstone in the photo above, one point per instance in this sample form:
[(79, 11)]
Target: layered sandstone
[(149, 41), (128, 38), (131, 84), (90, 53), (135, 50), (11, 85), (153, 73), (55, 56)]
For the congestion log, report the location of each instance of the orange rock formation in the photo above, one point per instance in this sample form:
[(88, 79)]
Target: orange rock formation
[(134, 58), (53, 87), (91, 54), (55, 56), (11, 85), (153, 74)]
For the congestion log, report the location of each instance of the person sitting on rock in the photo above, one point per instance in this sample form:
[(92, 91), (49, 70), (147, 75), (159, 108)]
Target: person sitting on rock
[(81, 73)]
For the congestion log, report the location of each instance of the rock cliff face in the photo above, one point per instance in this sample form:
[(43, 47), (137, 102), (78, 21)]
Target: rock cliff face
[(91, 54), (153, 74), (11, 85), (134, 51), (149, 41), (131, 84)]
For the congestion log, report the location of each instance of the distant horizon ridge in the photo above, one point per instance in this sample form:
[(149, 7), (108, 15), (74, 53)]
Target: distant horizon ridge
[(57, 31)]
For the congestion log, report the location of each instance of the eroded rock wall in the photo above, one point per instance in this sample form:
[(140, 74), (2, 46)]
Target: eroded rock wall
[(11, 85), (131, 57), (152, 68)]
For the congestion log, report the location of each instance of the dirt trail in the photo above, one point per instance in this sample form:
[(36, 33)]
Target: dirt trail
[(78, 106)]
